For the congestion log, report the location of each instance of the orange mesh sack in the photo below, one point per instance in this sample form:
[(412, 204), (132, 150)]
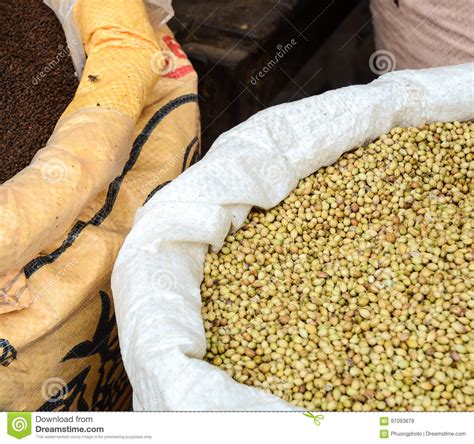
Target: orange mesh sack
[(132, 127)]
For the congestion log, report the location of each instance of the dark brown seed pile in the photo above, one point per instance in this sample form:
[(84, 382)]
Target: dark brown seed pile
[(37, 81)]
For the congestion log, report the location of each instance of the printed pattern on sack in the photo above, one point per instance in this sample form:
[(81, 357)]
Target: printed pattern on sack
[(175, 47), (114, 188), (177, 52), (112, 382), (7, 352)]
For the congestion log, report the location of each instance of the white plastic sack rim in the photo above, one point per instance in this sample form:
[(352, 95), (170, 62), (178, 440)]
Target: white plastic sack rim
[(159, 12), (157, 276)]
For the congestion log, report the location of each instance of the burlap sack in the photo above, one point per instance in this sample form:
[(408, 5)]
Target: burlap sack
[(62, 352), (424, 33)]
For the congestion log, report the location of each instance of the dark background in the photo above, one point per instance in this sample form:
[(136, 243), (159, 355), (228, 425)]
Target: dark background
[(230, 42)]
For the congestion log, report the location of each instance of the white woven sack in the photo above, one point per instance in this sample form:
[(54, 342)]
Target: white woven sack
[(156, 280)]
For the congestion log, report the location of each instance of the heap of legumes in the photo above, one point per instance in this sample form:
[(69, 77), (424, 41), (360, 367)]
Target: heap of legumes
[(357, 291)]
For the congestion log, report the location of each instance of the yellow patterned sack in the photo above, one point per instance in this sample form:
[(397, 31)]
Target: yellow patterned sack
[(132, 127)]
